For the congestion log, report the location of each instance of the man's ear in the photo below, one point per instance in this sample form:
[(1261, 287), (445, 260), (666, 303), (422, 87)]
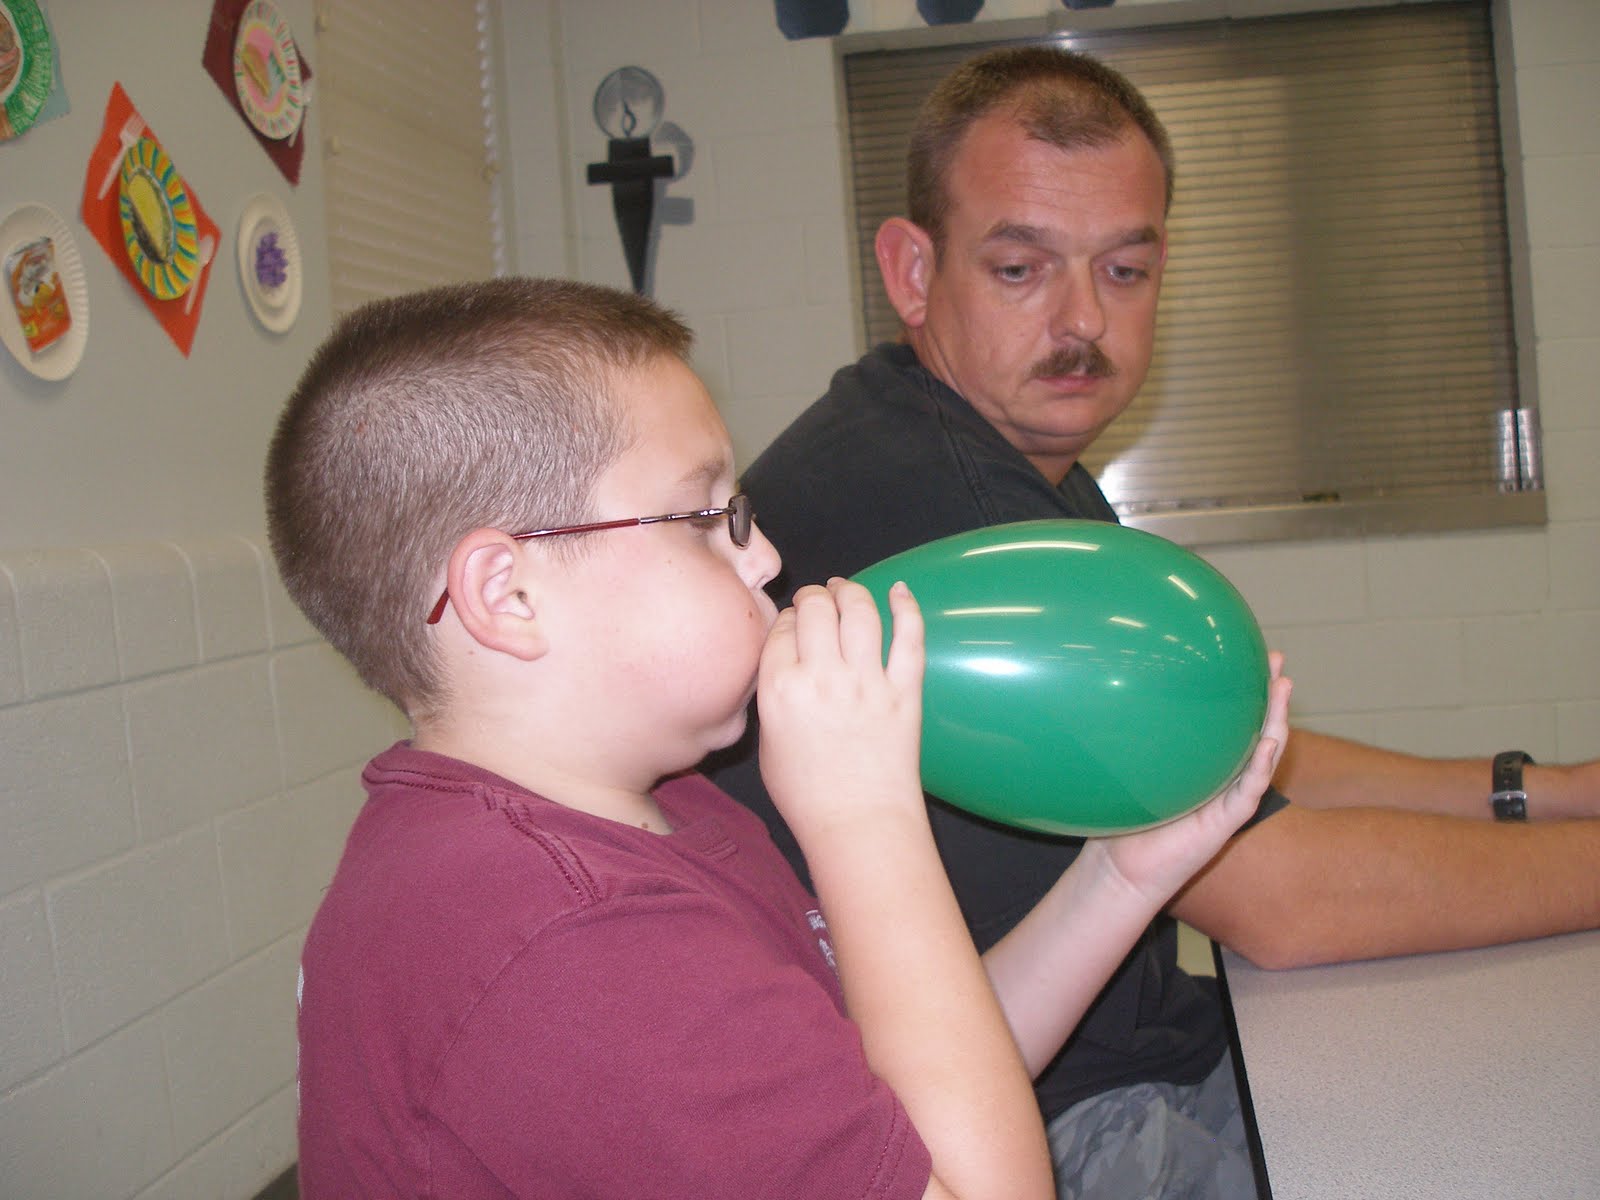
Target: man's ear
[(905, 260), (494, 595)]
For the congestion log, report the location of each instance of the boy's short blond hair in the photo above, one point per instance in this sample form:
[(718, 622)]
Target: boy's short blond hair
[(425, 416)]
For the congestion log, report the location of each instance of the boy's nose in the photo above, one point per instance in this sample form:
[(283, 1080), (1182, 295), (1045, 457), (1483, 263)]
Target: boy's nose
[(759, 561)]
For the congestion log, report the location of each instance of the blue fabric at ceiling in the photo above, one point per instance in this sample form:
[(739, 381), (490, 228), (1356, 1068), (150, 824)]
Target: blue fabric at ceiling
[(948, 12), (811, 18), (825, 18)]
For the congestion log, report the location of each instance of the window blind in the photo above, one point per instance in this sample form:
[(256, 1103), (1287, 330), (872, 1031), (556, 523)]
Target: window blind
[(409, 161), (1335, 328)]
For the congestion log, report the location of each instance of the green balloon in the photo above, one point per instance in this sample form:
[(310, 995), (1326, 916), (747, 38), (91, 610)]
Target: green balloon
[(1083, 678)]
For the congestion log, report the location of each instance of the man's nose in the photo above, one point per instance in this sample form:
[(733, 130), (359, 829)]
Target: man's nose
[(1078, 313)]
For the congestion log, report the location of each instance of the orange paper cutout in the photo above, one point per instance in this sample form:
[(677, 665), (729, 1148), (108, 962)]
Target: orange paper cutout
[(178, 316)]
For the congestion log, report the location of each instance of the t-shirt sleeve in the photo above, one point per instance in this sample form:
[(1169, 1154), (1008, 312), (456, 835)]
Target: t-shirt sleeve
[(652, 1046)]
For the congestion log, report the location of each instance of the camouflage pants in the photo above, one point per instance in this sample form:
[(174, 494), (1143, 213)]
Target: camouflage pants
[(1155, 1141)]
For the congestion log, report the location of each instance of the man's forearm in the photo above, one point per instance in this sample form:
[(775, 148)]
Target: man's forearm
[(1308, 886), (1319, 771)]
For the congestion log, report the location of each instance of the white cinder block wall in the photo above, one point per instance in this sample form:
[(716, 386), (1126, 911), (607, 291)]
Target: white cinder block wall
[(178, 765), (178, 753)]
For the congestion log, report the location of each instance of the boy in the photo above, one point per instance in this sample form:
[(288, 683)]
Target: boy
[(550, 962)]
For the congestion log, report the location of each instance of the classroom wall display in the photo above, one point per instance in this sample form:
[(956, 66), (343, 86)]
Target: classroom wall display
[(147, 218), (27, 66), (44, 318), (269, 262), (252, 56)]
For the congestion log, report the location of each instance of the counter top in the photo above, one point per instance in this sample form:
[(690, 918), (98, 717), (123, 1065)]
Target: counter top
[(1448, 1076)]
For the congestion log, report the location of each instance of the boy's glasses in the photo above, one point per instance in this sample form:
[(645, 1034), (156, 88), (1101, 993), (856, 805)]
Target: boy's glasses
[(737, 510)]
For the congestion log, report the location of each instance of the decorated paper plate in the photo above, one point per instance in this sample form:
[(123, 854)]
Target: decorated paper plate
[(158, 222), (266, 71), (269, 262), (27, 69), (24, 226)]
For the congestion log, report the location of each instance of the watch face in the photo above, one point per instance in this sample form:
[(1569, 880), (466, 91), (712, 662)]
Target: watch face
[(628, 103)]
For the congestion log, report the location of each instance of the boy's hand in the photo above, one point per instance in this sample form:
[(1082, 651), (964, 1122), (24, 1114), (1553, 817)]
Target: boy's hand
[(840, 731), (1157, 862)]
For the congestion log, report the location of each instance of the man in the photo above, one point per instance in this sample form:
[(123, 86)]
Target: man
[(1026, 277)]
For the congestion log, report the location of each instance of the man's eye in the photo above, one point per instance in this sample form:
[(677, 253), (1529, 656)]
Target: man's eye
[(1122, 273), (1012, 272)]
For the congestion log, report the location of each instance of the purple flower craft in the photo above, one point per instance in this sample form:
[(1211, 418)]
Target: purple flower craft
[(272, 264)]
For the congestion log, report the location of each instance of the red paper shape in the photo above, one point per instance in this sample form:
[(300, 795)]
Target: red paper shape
[(217, 59), (99, 214)]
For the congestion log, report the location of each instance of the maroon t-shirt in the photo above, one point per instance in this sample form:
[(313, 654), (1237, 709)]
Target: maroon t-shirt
[(501, 996)]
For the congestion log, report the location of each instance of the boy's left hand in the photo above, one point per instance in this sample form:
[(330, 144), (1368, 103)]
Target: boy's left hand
[(840, 729)]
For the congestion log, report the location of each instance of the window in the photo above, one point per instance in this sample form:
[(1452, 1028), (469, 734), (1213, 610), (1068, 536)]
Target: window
[(409, 156), (1336, 350)]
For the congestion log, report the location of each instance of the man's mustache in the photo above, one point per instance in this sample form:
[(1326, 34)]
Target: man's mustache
[(1083, 358)]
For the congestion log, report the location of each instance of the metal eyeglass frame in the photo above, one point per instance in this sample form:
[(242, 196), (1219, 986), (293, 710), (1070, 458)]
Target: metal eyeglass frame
[(737, 510)]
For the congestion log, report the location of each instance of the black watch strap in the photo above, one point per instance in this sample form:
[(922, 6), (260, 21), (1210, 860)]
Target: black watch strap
[(1506, 797)]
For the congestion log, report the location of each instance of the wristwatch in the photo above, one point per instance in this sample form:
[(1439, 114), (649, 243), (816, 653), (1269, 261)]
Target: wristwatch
[(1506, 797)]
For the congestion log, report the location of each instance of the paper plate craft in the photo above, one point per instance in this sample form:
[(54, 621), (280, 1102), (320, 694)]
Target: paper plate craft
[(269, 262), (27, 70), (44, 319), (128, 149), (280, 131), (266, 71), (158, 222)]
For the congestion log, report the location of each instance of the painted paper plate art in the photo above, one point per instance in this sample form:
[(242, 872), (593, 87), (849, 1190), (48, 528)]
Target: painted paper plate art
[(266, 71), (269, 262), (27, 70), (158, 222), (25, 226)]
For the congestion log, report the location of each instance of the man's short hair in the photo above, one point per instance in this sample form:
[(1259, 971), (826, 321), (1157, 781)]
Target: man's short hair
[(1063, 97), (428, 415)]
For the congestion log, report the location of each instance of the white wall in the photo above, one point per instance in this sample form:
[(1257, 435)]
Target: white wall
[(141, 440), (178, 751), (1458, 644), (178, 767)]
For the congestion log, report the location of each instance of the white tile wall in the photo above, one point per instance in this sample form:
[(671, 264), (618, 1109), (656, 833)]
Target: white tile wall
[(64, 621), (230, 1042), (153, 603), (97, 1124), (136, 931), (66, 795), (232, 1165), (11, 685), (168, 830), (30, 1008)]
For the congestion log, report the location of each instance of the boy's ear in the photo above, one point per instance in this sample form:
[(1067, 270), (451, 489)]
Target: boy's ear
[(905, 259), (493, 594)]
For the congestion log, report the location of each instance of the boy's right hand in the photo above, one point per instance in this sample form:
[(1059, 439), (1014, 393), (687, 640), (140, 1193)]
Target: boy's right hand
[(1157, 862), (840, 729)]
